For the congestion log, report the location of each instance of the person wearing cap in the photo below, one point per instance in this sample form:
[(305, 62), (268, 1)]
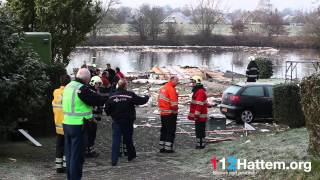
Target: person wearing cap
[(77, 102), (168, 107), (121, 107), (95, 84), (252, 71), (58, 119), (199, 110)]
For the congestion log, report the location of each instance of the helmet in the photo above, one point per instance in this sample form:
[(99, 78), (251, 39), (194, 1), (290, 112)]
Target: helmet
[(94, 80), (197, 79), (251, 58)]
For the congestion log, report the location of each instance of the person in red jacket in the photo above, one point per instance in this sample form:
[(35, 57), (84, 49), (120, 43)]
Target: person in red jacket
[(199, 110), (168, 105)]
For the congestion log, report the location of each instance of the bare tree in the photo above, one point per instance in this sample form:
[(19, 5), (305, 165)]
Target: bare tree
[(140, 24), (107, 17), (155, 17), (312, 25), (147, 22), (173, 32), (206, 15), (273, 24), (238, 27)]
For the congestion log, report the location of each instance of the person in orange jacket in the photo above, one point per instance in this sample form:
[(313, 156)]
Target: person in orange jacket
[(168, 105), (58, 119), (199, 110)]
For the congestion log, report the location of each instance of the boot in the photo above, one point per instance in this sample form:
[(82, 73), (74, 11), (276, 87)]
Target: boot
[(168, 147), (91, 153), (59, 165), (200, 143), (161, 147)]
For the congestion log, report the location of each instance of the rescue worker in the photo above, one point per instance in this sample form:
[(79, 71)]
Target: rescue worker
[(252, 72), (95, 84), (199, 110), (121, 107), (58, 119), (77, 102), (168, 105)]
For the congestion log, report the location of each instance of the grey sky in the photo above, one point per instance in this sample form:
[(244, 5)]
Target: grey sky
[(231, 4)]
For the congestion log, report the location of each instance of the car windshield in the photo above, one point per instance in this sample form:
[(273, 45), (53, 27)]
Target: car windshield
[(232, 90)]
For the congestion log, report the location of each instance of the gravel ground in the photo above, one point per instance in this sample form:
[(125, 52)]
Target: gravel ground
[(24, 161), (21, 160)]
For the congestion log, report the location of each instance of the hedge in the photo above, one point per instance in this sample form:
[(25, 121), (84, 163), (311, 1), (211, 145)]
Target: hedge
[(287, 109), (310, 91), (265, 67)]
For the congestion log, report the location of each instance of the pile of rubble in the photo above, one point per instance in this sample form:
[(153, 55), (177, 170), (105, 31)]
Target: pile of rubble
[(159, 75)]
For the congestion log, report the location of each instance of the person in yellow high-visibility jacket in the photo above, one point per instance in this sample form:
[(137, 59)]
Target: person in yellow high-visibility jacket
[(58, 119)]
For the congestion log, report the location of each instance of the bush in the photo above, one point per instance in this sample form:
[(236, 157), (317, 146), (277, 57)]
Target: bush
[(265, 67), (310, 93), (286, 105), (23, 79)]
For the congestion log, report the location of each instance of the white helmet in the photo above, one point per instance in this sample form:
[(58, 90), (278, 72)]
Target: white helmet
[(197, 79), (251, 58), (94, 80)]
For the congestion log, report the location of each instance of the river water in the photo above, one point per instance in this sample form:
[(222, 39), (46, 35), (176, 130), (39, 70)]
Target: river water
[(143, 58)]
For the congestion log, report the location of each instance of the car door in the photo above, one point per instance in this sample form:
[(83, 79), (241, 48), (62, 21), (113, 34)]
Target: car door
[(268, 101), (252, 98)]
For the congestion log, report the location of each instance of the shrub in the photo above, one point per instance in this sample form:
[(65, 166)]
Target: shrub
[(286, 105), (265, 67), (23, 79), (310, 93)]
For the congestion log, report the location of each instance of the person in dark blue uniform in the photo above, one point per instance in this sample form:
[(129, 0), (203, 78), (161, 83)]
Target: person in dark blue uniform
[(121, 107)]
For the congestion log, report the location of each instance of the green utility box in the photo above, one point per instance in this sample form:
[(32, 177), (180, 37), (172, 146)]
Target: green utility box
[(40, 42)]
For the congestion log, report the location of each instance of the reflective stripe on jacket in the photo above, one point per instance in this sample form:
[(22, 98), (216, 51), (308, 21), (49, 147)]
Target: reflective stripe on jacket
[(74, 109), (168, 100), (57, 109), (199, 106)]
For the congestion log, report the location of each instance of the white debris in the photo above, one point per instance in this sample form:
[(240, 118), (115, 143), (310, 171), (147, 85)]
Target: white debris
[(264, 130), (13, 160), (150, 81), (249, 127), (156, 112), (247, 141), (228, 121)]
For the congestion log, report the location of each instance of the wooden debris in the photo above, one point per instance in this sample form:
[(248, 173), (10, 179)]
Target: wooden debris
[(210, 140), (30, 138)]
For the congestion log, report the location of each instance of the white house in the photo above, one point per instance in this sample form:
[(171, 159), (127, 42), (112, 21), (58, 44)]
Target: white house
[(177, 18)]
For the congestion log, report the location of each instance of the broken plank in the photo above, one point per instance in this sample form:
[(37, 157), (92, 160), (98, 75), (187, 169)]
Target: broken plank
[(30, 138)]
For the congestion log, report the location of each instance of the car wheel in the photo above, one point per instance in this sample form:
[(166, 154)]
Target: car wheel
[(247, 116)]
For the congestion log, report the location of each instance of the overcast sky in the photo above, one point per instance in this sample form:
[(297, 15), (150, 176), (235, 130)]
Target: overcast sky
[(231, 4)]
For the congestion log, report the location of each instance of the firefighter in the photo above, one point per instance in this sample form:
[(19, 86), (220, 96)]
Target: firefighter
[(95, 84), (199, 110), (58, 119), (168, 105), (252, 72), (121, 107)]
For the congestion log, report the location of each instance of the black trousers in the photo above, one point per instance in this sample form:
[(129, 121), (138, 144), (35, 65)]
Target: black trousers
[(200, 128), (249, 79), (60, 159), (91, 130), (168, 131), (122, 128)]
